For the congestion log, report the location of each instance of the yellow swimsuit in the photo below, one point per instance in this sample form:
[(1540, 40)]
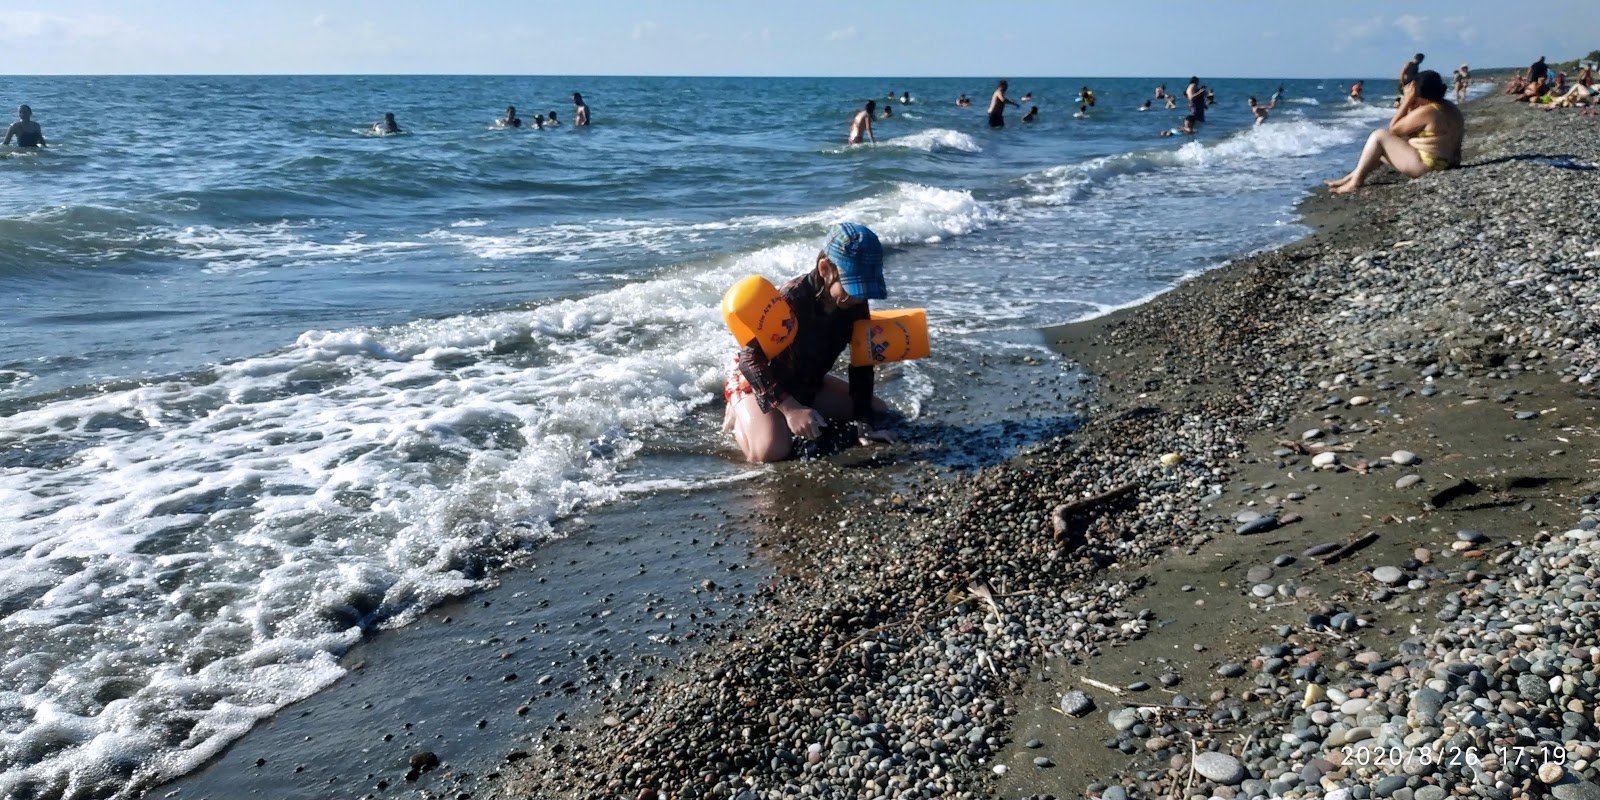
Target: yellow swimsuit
[(1434, 163)]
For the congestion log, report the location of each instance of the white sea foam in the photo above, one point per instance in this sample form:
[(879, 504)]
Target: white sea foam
[(230, 249), (1305, 101), (937, 140)]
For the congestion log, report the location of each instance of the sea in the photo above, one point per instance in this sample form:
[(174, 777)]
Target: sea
[(274, 388)]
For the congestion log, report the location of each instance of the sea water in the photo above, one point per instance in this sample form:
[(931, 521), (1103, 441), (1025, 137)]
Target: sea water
[(270, 383)]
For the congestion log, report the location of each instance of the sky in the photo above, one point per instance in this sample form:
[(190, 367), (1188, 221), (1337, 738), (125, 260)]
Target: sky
[(870, 38)]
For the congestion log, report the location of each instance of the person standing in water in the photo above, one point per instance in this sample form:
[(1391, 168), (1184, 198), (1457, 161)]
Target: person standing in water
[(1196, 95), (1355, 91), (551, 121), (25, 130), (997, 106), (580, 114), (511, 120), (388, 125), (1408, 73), (861, 125)]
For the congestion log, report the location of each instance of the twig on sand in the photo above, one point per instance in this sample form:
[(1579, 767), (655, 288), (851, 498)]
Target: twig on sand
[(1058, 517), (1356, 544), (1116, 690), (1194, 753)]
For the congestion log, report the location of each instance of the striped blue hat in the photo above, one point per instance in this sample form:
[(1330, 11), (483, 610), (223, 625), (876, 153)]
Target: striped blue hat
[(856, 251)]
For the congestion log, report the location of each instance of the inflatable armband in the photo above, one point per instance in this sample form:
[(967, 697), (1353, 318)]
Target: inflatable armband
[(755, 311), (898, 334)]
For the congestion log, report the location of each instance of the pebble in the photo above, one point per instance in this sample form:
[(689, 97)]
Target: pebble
[(1314, 433), (1263, 590), (1258, 574), (1219, 767), (1404, 458), (1261, 525), (1231, 670), (1575, 790), (1076, 703), (1043, 761), (1407, 481), (1389, 575), (1527, 415), (1325, 460)]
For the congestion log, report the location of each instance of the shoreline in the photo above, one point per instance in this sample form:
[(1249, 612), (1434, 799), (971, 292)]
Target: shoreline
[(907, 642)]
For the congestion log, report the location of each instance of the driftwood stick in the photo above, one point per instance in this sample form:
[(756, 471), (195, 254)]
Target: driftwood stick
[(1358, 543), (1058, 517), (1116, 690)]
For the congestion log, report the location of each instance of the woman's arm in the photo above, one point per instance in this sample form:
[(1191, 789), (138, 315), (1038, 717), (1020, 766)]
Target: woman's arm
[(1414, 122)]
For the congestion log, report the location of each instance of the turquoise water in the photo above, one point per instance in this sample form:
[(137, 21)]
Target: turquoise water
[(270, 383)]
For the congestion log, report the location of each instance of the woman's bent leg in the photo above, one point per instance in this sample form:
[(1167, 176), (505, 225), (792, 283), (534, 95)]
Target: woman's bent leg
[(764, 437), (833, 401), (1381, 146)]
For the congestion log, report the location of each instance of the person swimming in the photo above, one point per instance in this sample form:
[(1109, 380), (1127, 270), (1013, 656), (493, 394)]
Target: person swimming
[(905, 98), (1085, 96), (1033, 114), (1146, 106), (963, 102), (550, 120), (1026, 96), (510, 120), (387, 126), (538, 122), (1355, 91), (888, 111)]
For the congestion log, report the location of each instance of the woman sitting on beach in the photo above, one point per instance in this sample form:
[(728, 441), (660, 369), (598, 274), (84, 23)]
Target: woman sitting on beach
[(1424, 136)]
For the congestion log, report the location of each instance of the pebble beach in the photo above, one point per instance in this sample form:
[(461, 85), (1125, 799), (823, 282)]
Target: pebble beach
[(1328, 529)]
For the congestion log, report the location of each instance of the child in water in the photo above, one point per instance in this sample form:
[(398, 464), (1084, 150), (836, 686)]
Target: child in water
[(1033, 114)]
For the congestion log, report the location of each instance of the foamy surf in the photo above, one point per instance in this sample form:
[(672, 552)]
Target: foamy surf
[(937, 140)]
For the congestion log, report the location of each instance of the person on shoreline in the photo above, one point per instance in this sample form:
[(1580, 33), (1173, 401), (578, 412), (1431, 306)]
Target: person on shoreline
[(1196, 95), (1463, 77), (861, 124), (1586, 76), (1408, 73), (510, 120), (1033, 114), (997, 106), (580, 114), (772, 401), (1355, 91), (25, 130), (1424, 136), (387, 126)]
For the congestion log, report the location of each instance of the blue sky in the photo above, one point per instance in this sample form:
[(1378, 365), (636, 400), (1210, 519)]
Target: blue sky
[(898, 38)]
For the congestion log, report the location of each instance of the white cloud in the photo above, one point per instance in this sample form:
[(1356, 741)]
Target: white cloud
[(1461, 27), (1349, 32), (643, 30), (19, 25), (842, 34), (1414, 26), (319, 21)]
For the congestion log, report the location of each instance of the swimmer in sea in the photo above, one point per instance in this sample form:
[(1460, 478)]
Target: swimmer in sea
[(1026, 96), (1146, 106), (25, 130), (388, 125), (1355, 91), (1187, 130), (1172, 102), (1033, 114), (580, 114), (888, 111), (963, 102), (1196, 95), (538, 122), (550, 120), (997, 106), (1161, 92), (862, 124), (905, 98), (510, 120), (1083, 112), (1086, 96), (1259, 110), (1276, 96)]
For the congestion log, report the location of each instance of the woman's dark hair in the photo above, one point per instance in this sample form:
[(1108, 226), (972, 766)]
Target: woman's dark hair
[(872, 106), (1430, 85)]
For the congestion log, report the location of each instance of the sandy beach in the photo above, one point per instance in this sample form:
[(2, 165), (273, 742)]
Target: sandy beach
[(1332, 495)]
